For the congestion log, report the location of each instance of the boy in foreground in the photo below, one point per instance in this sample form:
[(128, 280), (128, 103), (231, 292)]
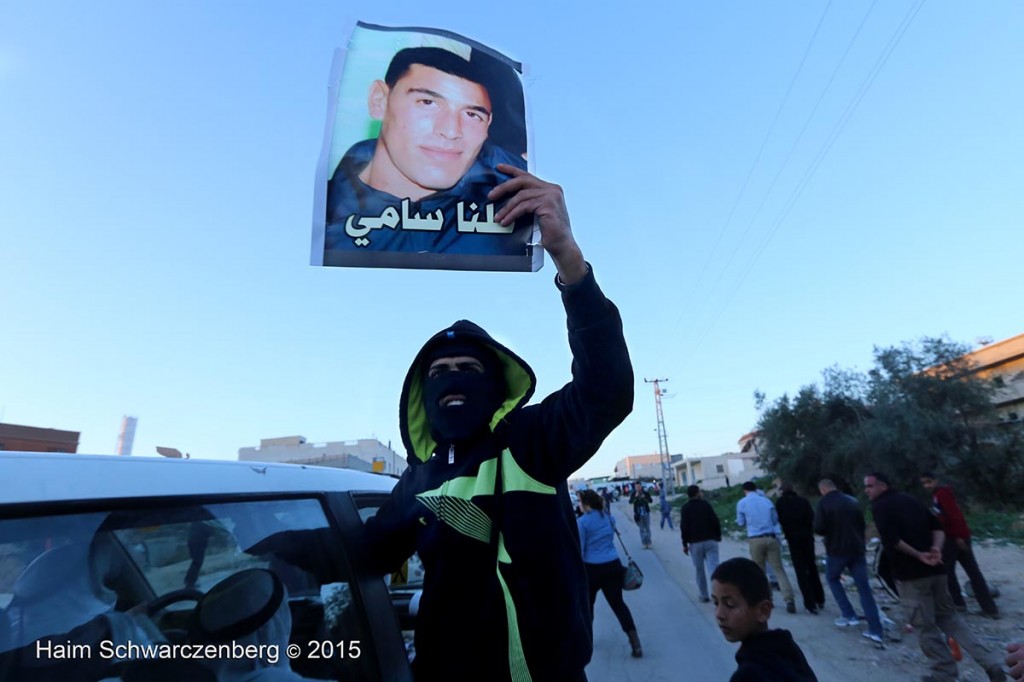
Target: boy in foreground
[(743, 605)]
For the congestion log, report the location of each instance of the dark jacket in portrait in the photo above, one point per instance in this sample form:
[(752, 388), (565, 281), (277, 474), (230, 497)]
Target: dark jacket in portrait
[(349, 197)]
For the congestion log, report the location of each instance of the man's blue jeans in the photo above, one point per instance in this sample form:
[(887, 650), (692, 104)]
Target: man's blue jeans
[(834, 566)]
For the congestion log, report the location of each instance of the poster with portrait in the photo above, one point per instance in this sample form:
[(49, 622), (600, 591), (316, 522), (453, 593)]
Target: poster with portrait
[(418, 122)]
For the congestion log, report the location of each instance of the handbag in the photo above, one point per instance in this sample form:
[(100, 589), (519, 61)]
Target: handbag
[(632, 576)]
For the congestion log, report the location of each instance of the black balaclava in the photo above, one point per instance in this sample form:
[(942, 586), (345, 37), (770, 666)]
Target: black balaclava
[(484, 392)]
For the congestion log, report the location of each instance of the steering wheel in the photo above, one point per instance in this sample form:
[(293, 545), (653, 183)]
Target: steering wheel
[(173, 597)]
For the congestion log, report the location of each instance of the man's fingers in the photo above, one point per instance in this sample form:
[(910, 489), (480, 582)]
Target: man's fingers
[(518, 198), (522, 207), (509, 169), (520, 179), (514, 209), (512, 185)]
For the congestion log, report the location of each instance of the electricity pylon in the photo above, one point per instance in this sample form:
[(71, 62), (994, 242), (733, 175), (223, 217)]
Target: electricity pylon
[(666, 463)]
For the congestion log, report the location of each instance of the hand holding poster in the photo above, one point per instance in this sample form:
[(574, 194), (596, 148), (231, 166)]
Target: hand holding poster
[(419, 121)]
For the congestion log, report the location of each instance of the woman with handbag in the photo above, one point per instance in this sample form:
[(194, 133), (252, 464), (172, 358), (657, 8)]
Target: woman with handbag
[(604, 570)]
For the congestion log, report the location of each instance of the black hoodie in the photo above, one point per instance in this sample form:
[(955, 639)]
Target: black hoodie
[(512, 604), (771, 656)]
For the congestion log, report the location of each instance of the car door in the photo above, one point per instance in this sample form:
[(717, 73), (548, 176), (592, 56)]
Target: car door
[(140, 570), (405, 586)]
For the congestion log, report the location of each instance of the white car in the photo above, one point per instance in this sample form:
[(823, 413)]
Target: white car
[(138, 568)]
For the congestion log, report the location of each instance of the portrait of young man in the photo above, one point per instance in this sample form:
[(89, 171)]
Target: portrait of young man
[(416, 195)]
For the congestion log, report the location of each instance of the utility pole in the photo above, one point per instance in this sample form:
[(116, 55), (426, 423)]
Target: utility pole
[(666, 464)]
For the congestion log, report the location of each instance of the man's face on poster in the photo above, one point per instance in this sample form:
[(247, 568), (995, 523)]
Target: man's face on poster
[(432, 127)]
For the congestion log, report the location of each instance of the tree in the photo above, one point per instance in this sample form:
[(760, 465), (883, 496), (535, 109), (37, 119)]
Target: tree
[(920, 407)]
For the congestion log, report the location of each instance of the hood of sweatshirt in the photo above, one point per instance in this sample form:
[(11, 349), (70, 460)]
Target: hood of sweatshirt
[(520, 383)]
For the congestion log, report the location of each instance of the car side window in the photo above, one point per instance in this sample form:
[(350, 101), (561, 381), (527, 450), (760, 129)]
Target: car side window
[(265, 573)]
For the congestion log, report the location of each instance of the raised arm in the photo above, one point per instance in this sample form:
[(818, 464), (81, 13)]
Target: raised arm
[(567, 427)]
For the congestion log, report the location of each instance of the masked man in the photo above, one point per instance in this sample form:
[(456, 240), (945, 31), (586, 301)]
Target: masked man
[(485, 500)]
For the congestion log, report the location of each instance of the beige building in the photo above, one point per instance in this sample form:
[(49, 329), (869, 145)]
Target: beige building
[(730, 468), (1003, 362), (365, 454), (641, 466)]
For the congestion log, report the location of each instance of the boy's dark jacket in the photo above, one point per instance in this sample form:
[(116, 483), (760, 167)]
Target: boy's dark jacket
[(771, 656), (511, 605)]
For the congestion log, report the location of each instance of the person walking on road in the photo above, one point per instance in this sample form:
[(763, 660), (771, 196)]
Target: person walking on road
[(796, 516), (757, 514), (601, 560), (956, 548), (840, 520), (666, 511), (914, 535), (641, 501), (701, 531)]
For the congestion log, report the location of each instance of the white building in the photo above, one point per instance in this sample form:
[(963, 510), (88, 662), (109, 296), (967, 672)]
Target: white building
[(642, 466), (730, 468), (365, 454)]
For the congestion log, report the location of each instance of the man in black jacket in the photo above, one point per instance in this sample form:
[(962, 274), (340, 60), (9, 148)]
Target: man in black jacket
[(914, 535), (641, 501), (485, 500), (796, 516), (701, 531), (841, 521)]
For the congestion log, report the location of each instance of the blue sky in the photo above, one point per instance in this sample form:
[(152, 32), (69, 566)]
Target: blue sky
[(765, 190)]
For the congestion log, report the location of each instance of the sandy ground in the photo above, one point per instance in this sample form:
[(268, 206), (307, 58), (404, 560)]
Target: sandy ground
[(842, 654)]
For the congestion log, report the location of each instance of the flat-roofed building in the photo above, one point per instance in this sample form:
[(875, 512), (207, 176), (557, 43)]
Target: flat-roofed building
[(642, 466), (727, 469), (364, 454), (34, 439), (1003, 363)]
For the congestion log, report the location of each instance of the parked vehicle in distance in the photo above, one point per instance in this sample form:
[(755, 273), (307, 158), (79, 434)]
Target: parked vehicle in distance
[(139, 568)]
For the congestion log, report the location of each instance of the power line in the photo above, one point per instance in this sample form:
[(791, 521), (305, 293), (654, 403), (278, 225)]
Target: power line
[(816, 162), (796, 142), (757, 159)]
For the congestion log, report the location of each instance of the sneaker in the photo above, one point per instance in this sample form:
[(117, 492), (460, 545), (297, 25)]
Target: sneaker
[(846, 622), (877, 639), (790, 607)]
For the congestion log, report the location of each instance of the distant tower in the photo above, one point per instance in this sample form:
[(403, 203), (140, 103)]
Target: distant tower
[(127, 435)]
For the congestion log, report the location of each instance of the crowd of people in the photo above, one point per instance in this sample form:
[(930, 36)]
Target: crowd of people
[(922, 547), (511, 576)]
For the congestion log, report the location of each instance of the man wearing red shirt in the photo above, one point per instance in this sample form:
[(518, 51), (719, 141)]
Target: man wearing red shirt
[(957, 546)]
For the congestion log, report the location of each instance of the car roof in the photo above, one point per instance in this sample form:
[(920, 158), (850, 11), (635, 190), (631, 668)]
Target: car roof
[(46, 477)]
